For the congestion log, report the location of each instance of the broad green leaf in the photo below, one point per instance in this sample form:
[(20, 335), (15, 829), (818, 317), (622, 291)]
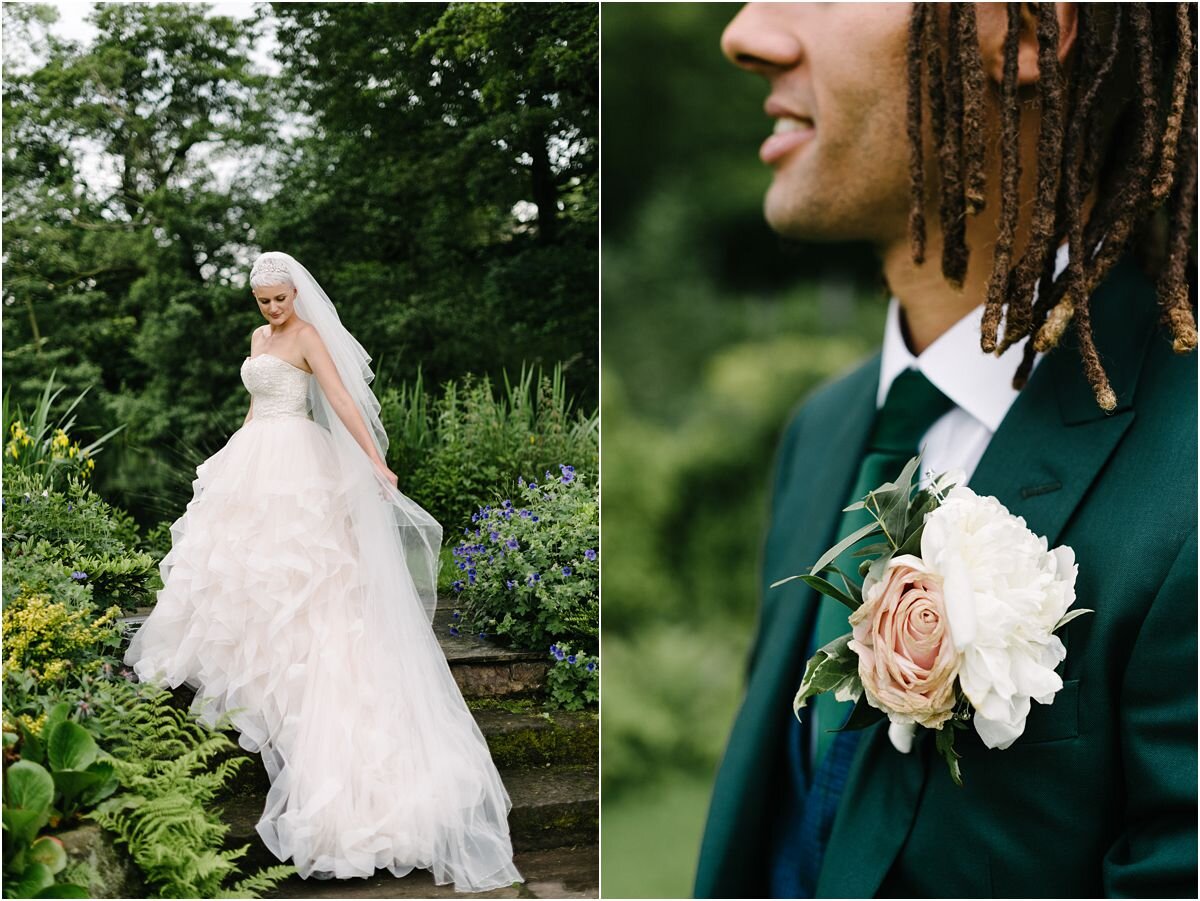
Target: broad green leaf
[(59, 713), (826, 670), (49, 851), (73, 784), (29, 792), (36, 876), (22, 824), (1070, 615), (836, 551), (64, 890), (32, 747), (71, 747)]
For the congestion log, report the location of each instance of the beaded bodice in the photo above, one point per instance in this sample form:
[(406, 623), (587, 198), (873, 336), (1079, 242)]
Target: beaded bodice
[(279, 389)]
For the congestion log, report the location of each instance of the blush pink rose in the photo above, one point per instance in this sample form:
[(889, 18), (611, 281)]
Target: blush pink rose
[(906, 656)]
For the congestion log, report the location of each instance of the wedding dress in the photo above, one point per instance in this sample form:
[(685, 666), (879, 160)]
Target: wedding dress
[(283, 606)]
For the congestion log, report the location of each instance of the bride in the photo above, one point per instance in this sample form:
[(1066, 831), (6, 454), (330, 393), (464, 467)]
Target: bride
[(297, 596)]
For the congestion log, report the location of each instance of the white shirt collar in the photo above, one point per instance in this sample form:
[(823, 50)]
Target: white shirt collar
[(978, 382)]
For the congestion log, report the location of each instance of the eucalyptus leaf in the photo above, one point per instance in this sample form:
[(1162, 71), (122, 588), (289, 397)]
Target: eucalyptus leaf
[(912, 542), (836, 551), (1070, 615), (924, 503), (945, 747), (830, 590), (871, 550), (852, 588), (890, 502)]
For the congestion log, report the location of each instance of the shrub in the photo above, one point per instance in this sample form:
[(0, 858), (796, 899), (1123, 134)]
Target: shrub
[(53, 538), (529, 570), (573, 682), (49, 640), (451, 452)]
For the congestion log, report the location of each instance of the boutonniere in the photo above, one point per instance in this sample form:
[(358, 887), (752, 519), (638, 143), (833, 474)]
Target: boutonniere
[(953, 624)]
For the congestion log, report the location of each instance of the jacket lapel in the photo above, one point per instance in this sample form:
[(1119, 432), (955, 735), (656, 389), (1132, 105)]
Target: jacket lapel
[(1040, 463), (805, 514)]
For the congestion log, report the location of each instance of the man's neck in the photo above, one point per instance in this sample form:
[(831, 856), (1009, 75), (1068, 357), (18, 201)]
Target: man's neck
[(930, 303)]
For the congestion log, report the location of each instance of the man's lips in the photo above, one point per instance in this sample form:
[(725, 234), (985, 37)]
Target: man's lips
[(790, 132)]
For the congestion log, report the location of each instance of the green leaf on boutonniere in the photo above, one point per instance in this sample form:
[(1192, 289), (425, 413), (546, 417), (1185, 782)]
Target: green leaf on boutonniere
[(862, 715), (925, 502), (1070, 615), (852, 588), (853, 538), (872, 550), (912, 543), (833, 667), (945, 747), (830, 590), (890, 501)]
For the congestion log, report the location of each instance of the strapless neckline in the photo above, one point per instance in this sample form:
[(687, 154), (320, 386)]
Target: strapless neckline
[(281, 360)]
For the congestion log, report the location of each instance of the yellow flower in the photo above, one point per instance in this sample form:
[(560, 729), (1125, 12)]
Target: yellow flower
[(51, 639)]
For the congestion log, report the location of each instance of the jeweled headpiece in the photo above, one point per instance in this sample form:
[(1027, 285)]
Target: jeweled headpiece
[(270, 269)]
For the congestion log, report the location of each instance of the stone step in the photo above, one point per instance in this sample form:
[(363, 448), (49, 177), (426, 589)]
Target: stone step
[(557, 873), (515, 739), (481, 667), (552, 807), (484, 669)]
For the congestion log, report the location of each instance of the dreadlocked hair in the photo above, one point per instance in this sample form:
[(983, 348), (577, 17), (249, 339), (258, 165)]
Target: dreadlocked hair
[(1135, 150)]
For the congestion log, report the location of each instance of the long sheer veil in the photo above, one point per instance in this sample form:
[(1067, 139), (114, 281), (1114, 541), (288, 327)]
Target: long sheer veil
[(394, 533)]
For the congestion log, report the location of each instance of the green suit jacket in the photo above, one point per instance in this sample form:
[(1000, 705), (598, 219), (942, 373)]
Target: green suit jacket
[(1098, 797)]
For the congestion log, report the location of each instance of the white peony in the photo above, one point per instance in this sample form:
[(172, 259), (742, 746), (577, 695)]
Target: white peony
[(1004, 594)]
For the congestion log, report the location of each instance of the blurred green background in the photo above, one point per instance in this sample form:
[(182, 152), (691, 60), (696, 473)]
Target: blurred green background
[(713, 330)]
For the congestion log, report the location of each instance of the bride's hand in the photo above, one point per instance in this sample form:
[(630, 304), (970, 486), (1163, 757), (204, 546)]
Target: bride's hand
[(388, 474)]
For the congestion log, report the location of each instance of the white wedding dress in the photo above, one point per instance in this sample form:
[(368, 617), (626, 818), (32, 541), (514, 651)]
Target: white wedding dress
[(374, 759)]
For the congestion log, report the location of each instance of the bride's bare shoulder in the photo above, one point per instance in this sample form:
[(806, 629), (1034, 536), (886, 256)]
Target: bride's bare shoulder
[(255, 336)]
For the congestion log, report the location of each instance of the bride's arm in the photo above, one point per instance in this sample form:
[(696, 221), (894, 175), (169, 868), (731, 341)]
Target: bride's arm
[(326, 373), (250, 412)]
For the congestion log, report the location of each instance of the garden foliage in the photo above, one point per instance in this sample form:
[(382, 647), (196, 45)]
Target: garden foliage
[(458, 450), (529, 571)]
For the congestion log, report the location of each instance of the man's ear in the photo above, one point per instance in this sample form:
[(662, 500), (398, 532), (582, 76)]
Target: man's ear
[(992, 21)]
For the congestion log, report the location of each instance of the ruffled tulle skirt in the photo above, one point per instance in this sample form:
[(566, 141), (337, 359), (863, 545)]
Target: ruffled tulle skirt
[(374, 759)]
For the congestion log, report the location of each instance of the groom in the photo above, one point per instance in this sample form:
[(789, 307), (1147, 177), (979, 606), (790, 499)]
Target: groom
[(1097, 451)]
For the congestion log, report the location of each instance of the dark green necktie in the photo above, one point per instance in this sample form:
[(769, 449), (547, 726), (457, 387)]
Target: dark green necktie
[(913, 404)]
